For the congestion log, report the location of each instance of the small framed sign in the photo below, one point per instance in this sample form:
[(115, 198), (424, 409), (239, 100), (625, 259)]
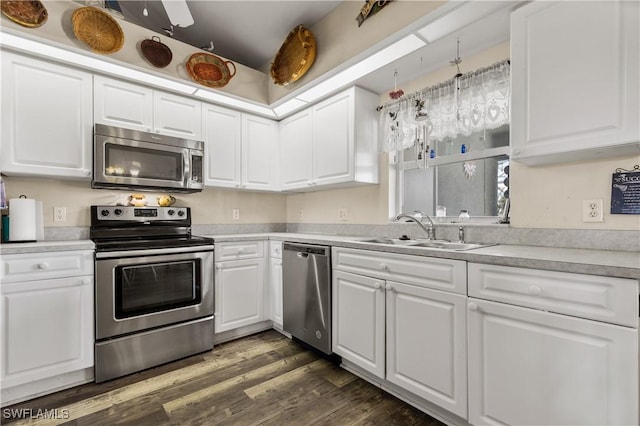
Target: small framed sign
[(625, 191)]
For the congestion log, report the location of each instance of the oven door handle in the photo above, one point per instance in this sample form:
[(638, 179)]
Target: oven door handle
[(149, 252)]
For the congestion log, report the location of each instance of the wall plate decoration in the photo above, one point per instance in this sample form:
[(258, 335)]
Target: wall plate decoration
[(295, 57), (31, 14), (210, 70), (97, 29), (625, 191)]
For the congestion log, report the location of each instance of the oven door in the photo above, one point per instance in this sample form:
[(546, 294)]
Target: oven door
[(143, 289)]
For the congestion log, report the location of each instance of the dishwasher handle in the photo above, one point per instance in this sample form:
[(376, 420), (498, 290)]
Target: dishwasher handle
[(304, 250)]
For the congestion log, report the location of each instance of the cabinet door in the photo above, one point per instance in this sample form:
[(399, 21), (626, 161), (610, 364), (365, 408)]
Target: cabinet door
[(534, 367), (427, 344), (177, 116), (46, 118), (575, 84), (358, 321), (47, 328), (239, 293), (222, 136), (333, 140), (275, 293), (295, 151), (122, 104), (259, 153)]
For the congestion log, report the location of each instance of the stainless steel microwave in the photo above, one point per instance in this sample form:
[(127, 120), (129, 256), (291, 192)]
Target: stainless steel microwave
[(134, 160)]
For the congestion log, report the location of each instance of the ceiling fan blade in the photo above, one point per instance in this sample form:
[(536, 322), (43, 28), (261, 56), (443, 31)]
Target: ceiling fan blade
[(178, 13)]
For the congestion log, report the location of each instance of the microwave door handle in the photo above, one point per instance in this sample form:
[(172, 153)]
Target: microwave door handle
[(186, 158)]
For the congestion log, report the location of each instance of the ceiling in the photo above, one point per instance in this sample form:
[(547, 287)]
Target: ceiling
[(250, 32), (247, 32)]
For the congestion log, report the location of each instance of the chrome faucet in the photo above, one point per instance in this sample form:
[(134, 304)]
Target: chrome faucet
[(461, 234), (416, 217)]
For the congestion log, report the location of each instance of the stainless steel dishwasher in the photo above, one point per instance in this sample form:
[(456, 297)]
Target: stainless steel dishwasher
[(306, 294)]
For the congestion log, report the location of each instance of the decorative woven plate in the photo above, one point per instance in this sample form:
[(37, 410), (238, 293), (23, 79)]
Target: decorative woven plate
[(156, 52), (295, 57), (97, 29), (30, 14), (209, 70)]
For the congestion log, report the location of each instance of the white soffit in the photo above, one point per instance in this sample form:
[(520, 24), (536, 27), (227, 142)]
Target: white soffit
[(463, 15)]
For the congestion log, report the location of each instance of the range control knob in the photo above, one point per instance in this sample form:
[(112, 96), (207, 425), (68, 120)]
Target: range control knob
[(171, 212), (104, 212), (118, 212), (180, 213)]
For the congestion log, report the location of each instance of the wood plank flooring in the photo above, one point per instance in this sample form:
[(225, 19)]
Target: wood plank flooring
[(264, 379)]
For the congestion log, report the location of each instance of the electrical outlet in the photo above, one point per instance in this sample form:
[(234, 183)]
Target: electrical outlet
[(592, 211), (343, 214), (59, 214), (300, 214), (236, 214)]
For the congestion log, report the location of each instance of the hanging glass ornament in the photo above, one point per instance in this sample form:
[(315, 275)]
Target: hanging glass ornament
[(396, 93), (469, 168)]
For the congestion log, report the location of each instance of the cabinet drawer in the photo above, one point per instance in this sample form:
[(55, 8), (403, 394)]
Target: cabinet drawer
[(275, 249), (40, 266), (239, 250), (612, 300), (442, 274)]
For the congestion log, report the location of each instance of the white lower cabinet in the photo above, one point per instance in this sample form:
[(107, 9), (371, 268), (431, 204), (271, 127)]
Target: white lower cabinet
[(47, 322), (239, 285), (531, 366), (275, 283), (410, 335)]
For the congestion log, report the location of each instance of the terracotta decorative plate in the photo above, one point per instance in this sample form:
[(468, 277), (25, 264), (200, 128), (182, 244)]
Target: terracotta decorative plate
[(210, 70), (97, 29), (295, 57), (156, 52), (30, 14)]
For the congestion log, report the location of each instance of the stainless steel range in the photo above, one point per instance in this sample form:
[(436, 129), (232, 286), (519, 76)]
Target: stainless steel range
[(154, 288)]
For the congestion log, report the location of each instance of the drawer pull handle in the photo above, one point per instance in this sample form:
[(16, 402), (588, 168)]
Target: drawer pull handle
[(384, 267), (390, 287), (86, 281), (473, 306), (535, 290), (218, 267), (43, 265), (377, 286), (240, 250)]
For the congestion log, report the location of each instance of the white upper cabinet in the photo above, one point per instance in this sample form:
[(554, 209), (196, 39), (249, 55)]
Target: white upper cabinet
[(259, 153), (222, 133), (177, 116), (295, 150), (122, 104), (241, 151), (332, 143), (575, 81), (46, 118)]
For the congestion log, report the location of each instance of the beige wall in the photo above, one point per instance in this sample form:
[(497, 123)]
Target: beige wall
[(551, 196), (211, 206)]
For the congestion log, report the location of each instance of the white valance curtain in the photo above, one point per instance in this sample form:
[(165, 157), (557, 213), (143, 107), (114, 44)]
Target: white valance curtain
[(463, 105)]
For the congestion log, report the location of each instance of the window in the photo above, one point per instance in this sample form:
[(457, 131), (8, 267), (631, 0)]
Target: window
[(449, 146)]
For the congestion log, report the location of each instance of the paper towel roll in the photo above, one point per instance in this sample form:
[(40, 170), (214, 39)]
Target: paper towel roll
[(23, 222)]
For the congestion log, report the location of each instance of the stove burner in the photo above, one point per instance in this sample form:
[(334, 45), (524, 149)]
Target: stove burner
[(117, 228)]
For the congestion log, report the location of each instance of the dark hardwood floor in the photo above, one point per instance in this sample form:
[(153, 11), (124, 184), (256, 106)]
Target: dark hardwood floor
[(264, 379)]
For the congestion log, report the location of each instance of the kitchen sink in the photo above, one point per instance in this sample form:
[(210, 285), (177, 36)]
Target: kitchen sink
[(435, 244), (449, 245), (395, 241)]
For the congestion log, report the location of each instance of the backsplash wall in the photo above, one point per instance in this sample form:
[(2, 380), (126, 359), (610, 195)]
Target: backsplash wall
[(211, 206)]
